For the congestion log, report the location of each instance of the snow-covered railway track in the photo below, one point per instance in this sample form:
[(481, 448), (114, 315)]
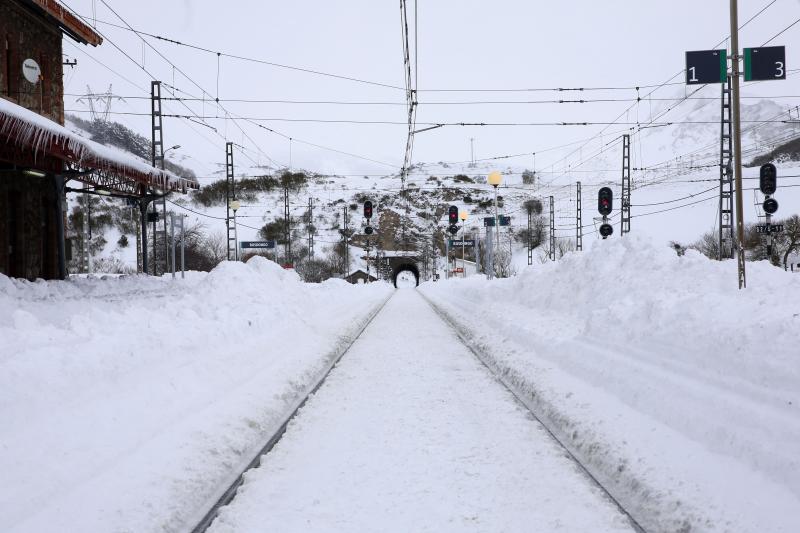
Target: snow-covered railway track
[(412, 433), (520, 398), (230, 492)]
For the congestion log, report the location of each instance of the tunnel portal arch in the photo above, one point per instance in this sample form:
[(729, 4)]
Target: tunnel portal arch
[(405, 267)]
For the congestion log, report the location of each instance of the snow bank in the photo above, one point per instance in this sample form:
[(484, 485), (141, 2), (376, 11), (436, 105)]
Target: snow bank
[(681, 391), (127, 402)]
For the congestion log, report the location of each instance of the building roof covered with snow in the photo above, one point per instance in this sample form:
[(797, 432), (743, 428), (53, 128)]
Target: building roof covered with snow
[(35, 138)]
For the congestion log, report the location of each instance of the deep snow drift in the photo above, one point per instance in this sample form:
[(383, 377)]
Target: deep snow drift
[(682, 391), (126, 404)]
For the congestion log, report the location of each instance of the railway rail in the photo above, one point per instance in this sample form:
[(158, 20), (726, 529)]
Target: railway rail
[(582, 470)]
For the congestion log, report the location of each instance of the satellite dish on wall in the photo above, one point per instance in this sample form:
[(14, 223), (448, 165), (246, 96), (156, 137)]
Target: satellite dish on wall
[(31, 70)]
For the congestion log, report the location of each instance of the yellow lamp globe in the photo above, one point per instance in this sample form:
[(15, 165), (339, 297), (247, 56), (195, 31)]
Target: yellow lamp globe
[(234, 205), (462, 215), (495, 178)]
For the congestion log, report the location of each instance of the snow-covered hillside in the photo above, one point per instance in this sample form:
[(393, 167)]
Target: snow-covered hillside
[(675, 176)]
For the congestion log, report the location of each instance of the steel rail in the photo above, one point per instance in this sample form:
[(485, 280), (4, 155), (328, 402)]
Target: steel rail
[(230, 493), (520, 398)]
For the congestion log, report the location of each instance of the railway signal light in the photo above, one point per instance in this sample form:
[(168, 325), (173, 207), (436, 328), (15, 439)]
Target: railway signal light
[(368, 210), (768, 179), (452, 215), (368, 230), (605, 201), (606, 230), (770, 206)]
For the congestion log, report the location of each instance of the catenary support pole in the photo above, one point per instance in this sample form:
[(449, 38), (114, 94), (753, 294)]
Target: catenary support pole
[(625, 218), (310, 228), (578, 219), (726, 240), (157, 160), (230, 196), (172, 241), (287, 226), (737, 142), (183, 246), (530, 237), (552, 230)]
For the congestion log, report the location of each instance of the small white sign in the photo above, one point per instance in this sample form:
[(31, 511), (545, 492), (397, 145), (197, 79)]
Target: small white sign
[(31, 70)]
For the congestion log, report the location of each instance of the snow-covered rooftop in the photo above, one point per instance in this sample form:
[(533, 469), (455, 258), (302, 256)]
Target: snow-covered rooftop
[(27, 130)]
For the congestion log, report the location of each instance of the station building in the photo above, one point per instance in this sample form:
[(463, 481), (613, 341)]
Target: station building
[(38, 155)]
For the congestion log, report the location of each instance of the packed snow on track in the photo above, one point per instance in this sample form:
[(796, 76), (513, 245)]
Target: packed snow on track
[(681, 392), (410, 432), (128, 404)]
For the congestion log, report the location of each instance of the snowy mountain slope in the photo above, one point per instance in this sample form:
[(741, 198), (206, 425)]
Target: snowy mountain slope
[(674, 173)]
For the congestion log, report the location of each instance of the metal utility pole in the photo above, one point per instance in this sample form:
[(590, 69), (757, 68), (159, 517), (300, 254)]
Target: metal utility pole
[(530, 236), (737, 140), (311, 229), (435, 254), (463, 247), (139, 268), (173, 242), (472, 150), (156, 151), (725, 176), (552, 230), (87, 255), (287, 230), (230, 196), (346, 243), (626, 185), (578, 220), (157, 159)]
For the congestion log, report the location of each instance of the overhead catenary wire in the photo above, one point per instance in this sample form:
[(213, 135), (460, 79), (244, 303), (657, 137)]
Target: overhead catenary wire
[(228, 115)]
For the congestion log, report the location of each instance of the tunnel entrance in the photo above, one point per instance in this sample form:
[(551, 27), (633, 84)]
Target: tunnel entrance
[(405, 267)]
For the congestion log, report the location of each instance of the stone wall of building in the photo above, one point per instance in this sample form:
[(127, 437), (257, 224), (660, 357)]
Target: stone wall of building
[(26, 35)]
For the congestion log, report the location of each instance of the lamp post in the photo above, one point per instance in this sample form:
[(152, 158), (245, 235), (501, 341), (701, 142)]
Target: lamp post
[(463, 216), (235, 205), (171, 148), (495, 178)]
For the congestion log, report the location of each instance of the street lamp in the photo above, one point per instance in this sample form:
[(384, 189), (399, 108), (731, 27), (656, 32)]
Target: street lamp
[(495, 178), (463, 216), (235, 205), (171, 148)]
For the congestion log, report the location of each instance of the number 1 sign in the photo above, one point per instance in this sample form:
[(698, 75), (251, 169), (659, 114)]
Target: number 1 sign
[(706, 66)]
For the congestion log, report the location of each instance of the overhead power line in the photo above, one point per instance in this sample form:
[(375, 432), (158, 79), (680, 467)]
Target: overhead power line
[(220, 54)]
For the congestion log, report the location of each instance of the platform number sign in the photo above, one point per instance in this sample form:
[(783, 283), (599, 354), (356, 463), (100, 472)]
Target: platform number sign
[(706, 66), (765, 63)]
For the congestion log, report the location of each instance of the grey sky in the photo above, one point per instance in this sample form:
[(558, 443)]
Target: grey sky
[(462, 45)]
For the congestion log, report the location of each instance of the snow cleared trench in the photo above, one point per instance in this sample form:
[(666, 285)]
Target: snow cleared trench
[(410, 432)]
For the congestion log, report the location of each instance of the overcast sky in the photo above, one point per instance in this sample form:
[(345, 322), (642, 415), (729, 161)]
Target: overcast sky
[(462, 44)]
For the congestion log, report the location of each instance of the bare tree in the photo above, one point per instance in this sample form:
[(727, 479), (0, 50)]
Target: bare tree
[(503, 268), (216, 247), (791, 237), (707, 244), (563, 246)]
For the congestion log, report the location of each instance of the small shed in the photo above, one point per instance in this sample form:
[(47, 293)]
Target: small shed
[(359, 276)]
